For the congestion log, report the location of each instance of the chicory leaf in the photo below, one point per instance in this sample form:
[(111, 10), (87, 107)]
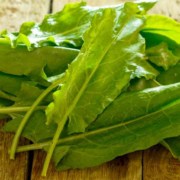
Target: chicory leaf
[(120, 57), (39, 63), (117, 133), (91, 99), (173, 145), (170, 76), (11, 84), (163, 26), (64, 28), (28, 94), (35, 130), (123, 127), (161, 56)]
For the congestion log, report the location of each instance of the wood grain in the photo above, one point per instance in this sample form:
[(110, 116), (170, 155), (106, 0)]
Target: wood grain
[(14, 12), (158, 164), (128, 167), (11, 169)]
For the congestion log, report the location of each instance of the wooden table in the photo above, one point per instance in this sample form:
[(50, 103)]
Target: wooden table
[(153, 164)]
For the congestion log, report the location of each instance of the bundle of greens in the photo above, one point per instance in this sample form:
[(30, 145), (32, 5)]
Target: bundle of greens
[(89, 84)]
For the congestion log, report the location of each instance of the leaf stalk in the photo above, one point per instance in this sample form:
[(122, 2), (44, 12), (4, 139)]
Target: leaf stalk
[(27, 116)]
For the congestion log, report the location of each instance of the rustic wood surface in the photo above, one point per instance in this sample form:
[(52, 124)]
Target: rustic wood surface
[(14, 12), (159, 164), (9, 169), (120, 168), (153, 164)]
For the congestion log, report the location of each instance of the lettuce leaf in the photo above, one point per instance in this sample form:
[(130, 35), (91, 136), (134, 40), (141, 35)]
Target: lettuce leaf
[(39, 63), (103, 142), (106, 105), (161, 56), (64, 28), (121, 53), (123, 127), (164, 26)]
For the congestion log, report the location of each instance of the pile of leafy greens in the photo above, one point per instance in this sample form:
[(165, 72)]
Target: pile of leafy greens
[(89, 84)]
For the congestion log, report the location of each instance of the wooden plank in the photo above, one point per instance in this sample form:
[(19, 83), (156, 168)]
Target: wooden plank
[(128, 167), (14, 12), (11, 169), (159, 164), (168, 8)]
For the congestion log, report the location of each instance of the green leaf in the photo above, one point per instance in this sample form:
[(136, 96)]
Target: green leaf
[(164, 26), (141, 84), (20, 90), (123, 127), (161, 56), (123, 108), (35, 130), (173, 145), (11, 84), (7, 96), (170, 76), (28, 94), (36, 64), (145, 5), (64, 28), (68, 25), (4, 103), (122, 53), (96, 78)]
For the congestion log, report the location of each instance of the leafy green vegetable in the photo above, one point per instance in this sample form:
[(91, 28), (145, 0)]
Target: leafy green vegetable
[(104, 141), (64, 28), (86, 83), (162, 56), (120, 53), (11, 84), (39, 63), (35, 130), (164, 26), (123, 127), (170, 76), (84, 75), (173, 145)]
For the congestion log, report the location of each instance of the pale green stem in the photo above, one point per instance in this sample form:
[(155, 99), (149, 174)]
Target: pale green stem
[(52, 147), (156, 82), (7, 96), (8, 110), (32, 147), (4, 41), (90, 133), (27, 116)]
